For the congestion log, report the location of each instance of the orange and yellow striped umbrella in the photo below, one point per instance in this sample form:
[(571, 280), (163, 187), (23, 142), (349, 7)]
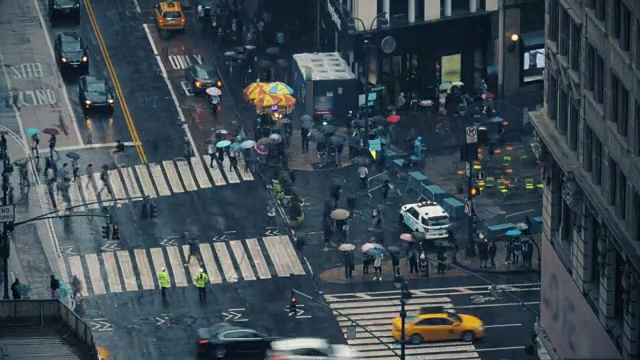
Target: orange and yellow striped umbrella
[(287, 100), (267, 100), (256, 85), (256, 93)]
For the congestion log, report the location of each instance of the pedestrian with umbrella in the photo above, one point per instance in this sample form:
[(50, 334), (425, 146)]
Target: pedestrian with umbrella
[(413, 254), (335, 191), (363, 173), (367, 259), (211, 151), (327, 231), (233, 159), (349, 261), (35, 143), (341, 216), (377, 263), (52, 145), (75, 168), (89, 172), (441, 257)]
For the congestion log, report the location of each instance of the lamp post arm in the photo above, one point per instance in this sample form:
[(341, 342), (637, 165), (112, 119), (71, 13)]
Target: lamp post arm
[(382, 14), (348, 318), (364, 28)]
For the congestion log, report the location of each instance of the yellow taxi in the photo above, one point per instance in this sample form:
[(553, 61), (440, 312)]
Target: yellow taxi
[(169, 15), (440, 326)]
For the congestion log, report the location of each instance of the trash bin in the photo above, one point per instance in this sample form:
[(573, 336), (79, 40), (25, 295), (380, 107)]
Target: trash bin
[(483, 135)]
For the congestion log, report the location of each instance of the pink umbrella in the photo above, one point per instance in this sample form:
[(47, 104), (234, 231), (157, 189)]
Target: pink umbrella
[(261, 149), (406, 237), (368, 246)]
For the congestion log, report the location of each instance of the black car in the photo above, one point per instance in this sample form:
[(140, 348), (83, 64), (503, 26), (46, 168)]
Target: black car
[(71, 53), (59, 9), (201, 77), (228, 341), (95, 94)]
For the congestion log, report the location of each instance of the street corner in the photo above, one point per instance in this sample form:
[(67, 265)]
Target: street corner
[(336, 275), (505, 261), (310, 160)]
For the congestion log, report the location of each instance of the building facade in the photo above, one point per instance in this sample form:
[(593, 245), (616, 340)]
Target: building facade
[(588, 135)]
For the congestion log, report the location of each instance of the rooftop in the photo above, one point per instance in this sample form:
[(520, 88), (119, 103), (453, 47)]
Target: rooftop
[(324, 66)]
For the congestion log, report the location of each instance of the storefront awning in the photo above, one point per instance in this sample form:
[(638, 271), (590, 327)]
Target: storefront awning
[(533, 39)]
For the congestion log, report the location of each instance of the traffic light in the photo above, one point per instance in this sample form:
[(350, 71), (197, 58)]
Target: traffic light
[(153, 211), (106, 230), (474, 191), (116, 233), (292, 305)]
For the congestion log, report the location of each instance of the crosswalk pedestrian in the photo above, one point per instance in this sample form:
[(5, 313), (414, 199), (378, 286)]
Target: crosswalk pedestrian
[(224, 262), (152, 180), (375, 312)]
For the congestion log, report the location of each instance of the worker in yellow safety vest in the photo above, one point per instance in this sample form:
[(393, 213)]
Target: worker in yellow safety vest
[(163, 280), (201, 282)]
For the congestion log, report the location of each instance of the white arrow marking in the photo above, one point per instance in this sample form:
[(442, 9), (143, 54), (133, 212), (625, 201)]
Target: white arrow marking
[(67, 250), (162, 319), (272, 232), (234, 315), (298, 313), (111, 246), (101, 325), (221, 238), (168, 242)]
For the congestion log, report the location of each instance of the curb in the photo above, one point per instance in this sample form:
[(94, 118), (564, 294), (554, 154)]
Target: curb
[(489, 271)]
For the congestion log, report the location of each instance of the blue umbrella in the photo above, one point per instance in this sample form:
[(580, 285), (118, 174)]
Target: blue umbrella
[(236, 147), (223, 143), (513, 233), (375, 252), (497, 119), (31, 131)]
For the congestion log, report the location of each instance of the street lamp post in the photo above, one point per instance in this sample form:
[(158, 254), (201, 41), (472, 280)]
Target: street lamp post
[(405, 296)]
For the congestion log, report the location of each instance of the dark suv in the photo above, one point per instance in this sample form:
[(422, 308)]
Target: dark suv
[(59, 9), (71, 54)]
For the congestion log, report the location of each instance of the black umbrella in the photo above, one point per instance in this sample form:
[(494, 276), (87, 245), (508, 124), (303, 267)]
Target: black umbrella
[(337, 139), (393, 249), (328, 129), (327, 117), (72, 156), (378, 119), (306, 125), (305, 117), (272, 51), (282, 63), (264, 63), (316, 136)]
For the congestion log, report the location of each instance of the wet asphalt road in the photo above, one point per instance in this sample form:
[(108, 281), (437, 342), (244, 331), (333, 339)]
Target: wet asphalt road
[(252, 254)]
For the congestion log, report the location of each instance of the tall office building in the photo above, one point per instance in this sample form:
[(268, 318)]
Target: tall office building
[(588, 139)]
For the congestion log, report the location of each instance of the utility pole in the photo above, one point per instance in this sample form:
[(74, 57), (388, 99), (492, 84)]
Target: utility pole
[(471, 133), (7, 212)]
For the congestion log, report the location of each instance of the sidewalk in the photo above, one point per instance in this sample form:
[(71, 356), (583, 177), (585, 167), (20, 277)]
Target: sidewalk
[(336, 275), (502, 267)]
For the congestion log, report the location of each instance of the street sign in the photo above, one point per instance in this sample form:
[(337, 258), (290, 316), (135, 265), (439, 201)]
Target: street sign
[(467, 206), (472, 134), (468, 169), (375, 145), (479, 175), (7, 213)]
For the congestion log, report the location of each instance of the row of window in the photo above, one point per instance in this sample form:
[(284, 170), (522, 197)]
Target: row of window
[(619, 24)]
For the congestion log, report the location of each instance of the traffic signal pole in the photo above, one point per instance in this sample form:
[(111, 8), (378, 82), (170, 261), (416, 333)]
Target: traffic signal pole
[(471, 249)]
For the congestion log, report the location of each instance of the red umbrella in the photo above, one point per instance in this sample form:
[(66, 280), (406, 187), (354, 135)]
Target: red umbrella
[(261, 149), (51, 131), (394, 119)]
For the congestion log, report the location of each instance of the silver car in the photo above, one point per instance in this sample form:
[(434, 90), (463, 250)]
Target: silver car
[(201, 77), (309, 349)]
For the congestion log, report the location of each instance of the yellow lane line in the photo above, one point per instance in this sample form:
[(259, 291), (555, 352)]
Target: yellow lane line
[(116, 83)]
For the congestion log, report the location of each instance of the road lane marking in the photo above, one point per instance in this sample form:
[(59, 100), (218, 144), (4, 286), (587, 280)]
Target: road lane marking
[(130, 282), (185, 175), (146, 276), (201, 175), (174, 180), (383, 303), (243, 260), (210, 264), (258, 259), (502, 348), (422, 353), (89, 193), (130, 183), (457, 290), (158, 178), (145, 180), (153, 45), (112, 272), (193, 266), (242, 168), (75, 263), (294, 264), (114, 80), (157, 257), (225, 261), (116, 186), (501, 326), (177, 266), (280, 264), (230, 172), (135, 2), (95, 275), (214, 171), (74, 194)]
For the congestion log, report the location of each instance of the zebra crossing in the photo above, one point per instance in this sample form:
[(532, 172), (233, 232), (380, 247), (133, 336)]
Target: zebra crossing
[(152, 180), (225, 262), (375, 312)]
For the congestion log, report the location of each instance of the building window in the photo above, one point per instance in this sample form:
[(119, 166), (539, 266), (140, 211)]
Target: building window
[(623, 110), (553, 20), (599, 79), (587, 149), (621, 203), (552, 97), (596, 174), (590, 67), (601, 7), (637, 125), (625, 27), (565, 28), (614, 25), (637, 44), (575, 47), (572, 137), (618, 305), (563, 113), (615, 97), (636, 214), (613, 182)]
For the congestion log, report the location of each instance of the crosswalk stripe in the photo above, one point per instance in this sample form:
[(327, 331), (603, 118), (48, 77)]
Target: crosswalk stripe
[(145, 181), (201, 175), (258, 259), (143, 268), (130, 282), (294, 264), (214, 171), (174, 180), (112, 272), (102, 190), (243, 260), (116, 185), (194, 267), (177, 266), (76, 198), (226, 263), (392, 302), (244, 172), (271, 242), (157, 257), (75, 263), (185, 174), (210, 264), (429, 353), (94, 274), (229, 171), (89, 192), (158, 178), (130, 182)]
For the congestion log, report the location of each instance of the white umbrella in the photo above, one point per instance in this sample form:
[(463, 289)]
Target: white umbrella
[(248, 144), (521, 226), (213, 91), (346, 247), (275, 138)]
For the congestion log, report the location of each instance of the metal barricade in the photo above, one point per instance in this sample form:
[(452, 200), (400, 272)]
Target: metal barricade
[(376, 182)]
